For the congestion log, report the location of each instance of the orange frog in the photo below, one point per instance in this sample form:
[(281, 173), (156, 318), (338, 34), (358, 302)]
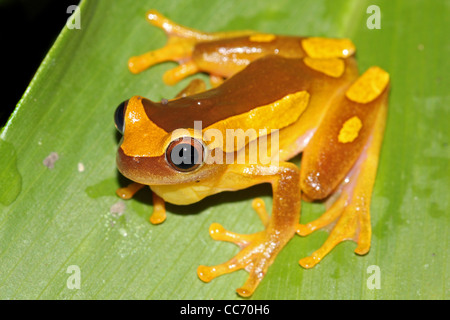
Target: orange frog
[(283, 93)]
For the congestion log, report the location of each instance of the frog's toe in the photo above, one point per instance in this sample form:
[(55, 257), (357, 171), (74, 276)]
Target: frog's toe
[(179, 47), (259, 206), (309, 262), (363, 244), (241, 261), (349, 220), (327, 218), (176, 49), (180, 72), (246, 259), (218, 232), (129, 191), (257, 253), (159, 210)]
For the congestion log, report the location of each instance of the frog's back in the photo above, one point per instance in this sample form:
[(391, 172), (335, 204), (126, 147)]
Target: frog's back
[(264, 81)]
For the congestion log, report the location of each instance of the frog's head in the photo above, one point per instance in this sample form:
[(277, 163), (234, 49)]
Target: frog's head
[(150, 155)]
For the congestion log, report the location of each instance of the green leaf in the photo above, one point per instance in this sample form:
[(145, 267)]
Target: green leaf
[(51, 219)]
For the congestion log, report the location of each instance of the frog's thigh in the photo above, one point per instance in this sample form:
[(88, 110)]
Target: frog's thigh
[(343, 134)]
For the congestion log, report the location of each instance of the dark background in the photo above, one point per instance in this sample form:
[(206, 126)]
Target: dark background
[(28, 29)]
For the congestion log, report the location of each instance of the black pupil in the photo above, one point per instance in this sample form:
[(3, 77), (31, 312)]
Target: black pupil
[(119, 117), (184, 156)]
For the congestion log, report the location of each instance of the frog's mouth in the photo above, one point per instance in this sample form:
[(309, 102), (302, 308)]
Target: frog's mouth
[(157, 170), (145, 170)]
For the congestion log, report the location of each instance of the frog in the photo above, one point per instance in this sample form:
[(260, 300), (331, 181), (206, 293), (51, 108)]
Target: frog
[(294, 95)]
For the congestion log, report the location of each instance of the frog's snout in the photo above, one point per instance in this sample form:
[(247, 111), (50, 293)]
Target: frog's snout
[(119, 116)]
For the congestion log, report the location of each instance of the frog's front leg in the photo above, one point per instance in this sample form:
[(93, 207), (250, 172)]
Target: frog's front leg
[(159, 208), (259, 250), (362, 116)]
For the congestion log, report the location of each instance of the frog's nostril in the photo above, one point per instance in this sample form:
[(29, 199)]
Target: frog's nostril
[(119, 116)]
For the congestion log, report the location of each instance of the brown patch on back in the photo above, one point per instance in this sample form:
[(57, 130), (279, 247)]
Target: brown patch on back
[(264, 81)]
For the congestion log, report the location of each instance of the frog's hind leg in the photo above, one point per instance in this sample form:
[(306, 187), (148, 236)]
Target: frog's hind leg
[(173, 29), (176, 49), (179, 48), (349, 216)]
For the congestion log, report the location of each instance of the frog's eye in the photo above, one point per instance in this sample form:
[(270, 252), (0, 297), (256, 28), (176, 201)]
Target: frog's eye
[(185, 154), (119, 116)]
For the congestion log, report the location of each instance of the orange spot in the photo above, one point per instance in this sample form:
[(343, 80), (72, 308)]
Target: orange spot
[(276, 115), (332, 67), (261, 37), (369, 86), (350, 130), (328, 48)]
